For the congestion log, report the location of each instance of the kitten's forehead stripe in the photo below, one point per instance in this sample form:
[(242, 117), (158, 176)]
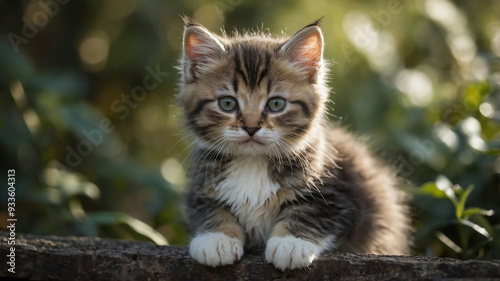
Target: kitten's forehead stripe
[(263, 73), (269, 84), (239, 70), (235, 82), (251, 63)]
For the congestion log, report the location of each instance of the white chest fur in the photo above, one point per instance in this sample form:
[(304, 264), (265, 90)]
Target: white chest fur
[(252, 195)]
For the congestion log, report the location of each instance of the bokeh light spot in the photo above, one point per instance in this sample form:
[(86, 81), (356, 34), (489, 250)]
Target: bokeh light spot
[(93, 51), (487, 109), (416, 85)]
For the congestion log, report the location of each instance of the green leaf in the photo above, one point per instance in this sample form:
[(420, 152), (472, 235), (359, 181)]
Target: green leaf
[(448, 242), (475, 227), (431, 189), (445, 185), (460, 205), (483, 222), (135, 224), (477, 211)]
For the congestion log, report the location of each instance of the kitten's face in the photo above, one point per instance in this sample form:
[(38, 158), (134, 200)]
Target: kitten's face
[(252, 94)]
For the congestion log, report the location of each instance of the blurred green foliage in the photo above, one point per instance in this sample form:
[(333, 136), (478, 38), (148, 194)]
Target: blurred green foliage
[(89, 121)]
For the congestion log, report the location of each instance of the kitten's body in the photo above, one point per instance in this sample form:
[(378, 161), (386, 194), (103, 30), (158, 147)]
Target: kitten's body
[(269, 173)]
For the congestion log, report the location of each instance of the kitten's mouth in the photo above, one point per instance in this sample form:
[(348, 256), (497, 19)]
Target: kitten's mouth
[(252, 142)]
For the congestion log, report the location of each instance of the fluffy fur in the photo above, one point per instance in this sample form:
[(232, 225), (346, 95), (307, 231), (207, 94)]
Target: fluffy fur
[(268, 172)]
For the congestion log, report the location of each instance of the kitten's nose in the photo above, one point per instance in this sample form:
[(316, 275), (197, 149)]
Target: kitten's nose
[(251, 130)]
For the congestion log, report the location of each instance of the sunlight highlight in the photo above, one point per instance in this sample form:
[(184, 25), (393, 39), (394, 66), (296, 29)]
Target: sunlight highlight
[(447, 136), (416, 85), (94, 50), (379, 47), (487, 109), (173, 172)]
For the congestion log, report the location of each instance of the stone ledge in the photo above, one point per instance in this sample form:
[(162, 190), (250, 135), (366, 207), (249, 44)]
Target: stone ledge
[(84, 258)]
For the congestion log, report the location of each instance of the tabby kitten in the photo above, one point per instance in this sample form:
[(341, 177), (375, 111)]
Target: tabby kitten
[(268, 172)]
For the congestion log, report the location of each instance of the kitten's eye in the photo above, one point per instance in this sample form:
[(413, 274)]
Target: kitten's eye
[(227, 104), (276, 104)]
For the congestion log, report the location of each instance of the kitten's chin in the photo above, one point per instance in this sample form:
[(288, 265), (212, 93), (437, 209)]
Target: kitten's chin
[(252, 147)]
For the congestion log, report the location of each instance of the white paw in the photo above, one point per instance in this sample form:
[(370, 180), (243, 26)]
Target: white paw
[(215, 248), (289, 252)]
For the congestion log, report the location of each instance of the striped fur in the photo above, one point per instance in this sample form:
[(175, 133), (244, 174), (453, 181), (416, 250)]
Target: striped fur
[(280, 181)]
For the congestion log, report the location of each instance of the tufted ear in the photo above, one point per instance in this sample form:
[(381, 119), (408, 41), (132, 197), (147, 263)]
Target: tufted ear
[(201, 48), (305, 49)]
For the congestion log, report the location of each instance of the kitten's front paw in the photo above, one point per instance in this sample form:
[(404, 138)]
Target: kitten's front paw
[(215, 248), (289, 252)]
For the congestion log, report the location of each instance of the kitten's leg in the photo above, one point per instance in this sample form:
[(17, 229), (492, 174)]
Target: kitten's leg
[(218, 239), (301, 234)]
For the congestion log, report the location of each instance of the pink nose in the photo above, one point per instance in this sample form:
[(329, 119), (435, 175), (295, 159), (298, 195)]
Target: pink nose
[(251, 130)]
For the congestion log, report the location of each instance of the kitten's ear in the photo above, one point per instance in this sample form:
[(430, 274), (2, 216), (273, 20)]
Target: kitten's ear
[(201, 48), (305, 49)]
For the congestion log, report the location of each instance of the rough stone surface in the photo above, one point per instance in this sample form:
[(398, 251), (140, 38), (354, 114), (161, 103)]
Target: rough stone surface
[(83, 258)]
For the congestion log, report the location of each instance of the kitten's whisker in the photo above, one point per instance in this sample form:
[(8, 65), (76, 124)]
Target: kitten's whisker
[(183, 138), (288, 156), (305, 164), (224, 152), (191, 153), (278, 155), (195, 142), (211, 150), (199, 144), (275, 155), (303, 161), (216, 152), (221, 152), (207, 151)]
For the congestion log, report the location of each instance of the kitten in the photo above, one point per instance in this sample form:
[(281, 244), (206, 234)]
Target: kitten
[(269, 174)]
